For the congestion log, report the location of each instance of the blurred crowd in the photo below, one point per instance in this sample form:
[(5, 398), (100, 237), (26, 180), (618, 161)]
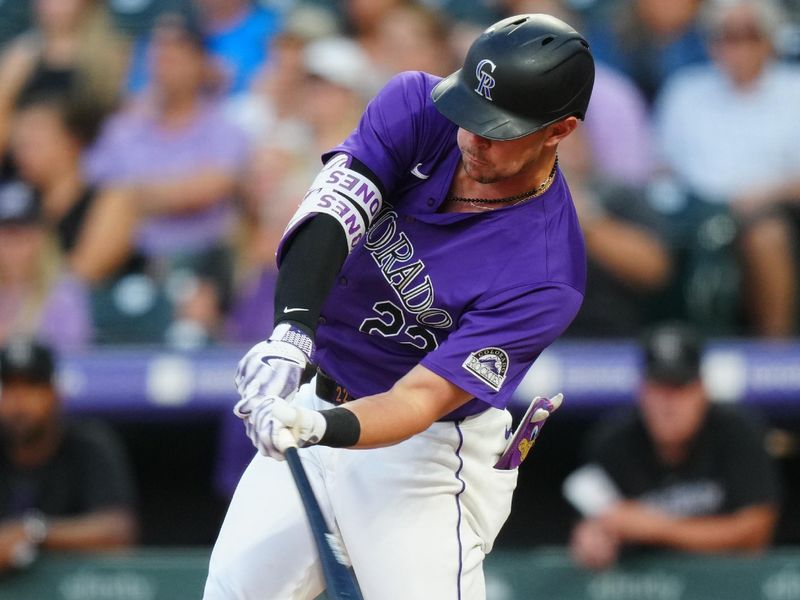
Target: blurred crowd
[(153, 151)]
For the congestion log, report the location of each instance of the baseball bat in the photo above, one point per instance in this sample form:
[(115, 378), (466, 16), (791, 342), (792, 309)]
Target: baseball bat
[(340, 584)]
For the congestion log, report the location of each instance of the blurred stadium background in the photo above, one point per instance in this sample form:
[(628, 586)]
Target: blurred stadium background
[(165, 172)]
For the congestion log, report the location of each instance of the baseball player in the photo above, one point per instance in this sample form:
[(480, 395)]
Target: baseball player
[(432, 260)]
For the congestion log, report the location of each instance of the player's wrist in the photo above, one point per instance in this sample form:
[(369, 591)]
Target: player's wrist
[(289, 333), (299, 325), (342, 428)]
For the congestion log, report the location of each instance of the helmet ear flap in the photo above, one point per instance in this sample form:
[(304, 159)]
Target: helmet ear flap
[(519, 75)]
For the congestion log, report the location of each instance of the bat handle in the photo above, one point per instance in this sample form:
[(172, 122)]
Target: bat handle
[(337, 577), (304, 487)]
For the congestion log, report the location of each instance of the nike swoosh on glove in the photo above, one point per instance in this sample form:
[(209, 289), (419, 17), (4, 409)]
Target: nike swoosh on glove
[(272, 369)]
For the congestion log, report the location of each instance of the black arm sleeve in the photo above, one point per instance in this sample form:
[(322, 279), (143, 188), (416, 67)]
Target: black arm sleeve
[(310, 264), (314, 256)]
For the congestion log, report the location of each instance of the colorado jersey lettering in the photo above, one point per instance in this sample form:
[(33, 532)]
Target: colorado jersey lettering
[(434, 297)]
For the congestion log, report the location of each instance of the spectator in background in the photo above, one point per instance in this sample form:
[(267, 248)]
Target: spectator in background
[(271, 106), (619, 129), (36, 299), (678, 472), (340, 78), (649, 40), (412, 37), (628, 261), (94, 226), (64, 486), (234, 32), (237, 32), (178, 158), (72, 50), (730, 131), (364, 18), (47, 143)]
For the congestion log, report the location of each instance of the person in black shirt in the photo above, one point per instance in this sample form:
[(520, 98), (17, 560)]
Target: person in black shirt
[(679, 472), (92, 226), (63, 485)]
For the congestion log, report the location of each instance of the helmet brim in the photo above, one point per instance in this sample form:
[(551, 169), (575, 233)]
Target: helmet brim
[(462, 105)]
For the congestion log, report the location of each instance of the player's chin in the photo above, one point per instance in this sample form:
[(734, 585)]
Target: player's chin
[(481, 174)]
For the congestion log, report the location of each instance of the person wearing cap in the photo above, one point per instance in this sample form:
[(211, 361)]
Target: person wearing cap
[(35, 298), (63, 485), (678, 472), (434, 257)]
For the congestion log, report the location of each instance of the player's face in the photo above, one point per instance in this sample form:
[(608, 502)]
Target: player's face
[(491, 161)]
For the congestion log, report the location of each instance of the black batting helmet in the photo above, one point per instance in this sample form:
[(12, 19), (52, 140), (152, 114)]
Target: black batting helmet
[(520, 75)]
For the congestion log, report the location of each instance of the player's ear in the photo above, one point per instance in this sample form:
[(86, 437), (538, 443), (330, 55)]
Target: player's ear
[(560, 130)]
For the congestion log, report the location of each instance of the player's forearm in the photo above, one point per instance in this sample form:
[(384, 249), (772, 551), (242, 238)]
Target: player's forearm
[(747, 529), (411, 406), (102, 530), (311, 262), (315, 251), (383, 424)]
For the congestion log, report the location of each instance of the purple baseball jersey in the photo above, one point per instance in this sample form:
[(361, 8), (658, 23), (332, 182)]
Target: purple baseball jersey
[(474, 297)]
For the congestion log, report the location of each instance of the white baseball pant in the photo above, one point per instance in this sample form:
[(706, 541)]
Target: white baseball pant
[(416, 518)]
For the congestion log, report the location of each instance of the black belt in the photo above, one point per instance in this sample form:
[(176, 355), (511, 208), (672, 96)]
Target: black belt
[(331, 391)]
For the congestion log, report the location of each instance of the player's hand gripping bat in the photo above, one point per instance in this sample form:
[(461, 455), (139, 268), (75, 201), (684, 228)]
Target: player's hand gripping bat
[(339, 582)]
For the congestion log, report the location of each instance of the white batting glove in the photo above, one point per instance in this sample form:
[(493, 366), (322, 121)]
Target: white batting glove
[(272, 369), (276, 425)]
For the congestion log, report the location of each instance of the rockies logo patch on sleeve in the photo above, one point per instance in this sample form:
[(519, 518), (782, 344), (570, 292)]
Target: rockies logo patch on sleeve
[(489, 365)]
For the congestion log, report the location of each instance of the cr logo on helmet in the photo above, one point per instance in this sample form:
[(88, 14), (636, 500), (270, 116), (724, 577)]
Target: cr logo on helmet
[(485, 80)]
